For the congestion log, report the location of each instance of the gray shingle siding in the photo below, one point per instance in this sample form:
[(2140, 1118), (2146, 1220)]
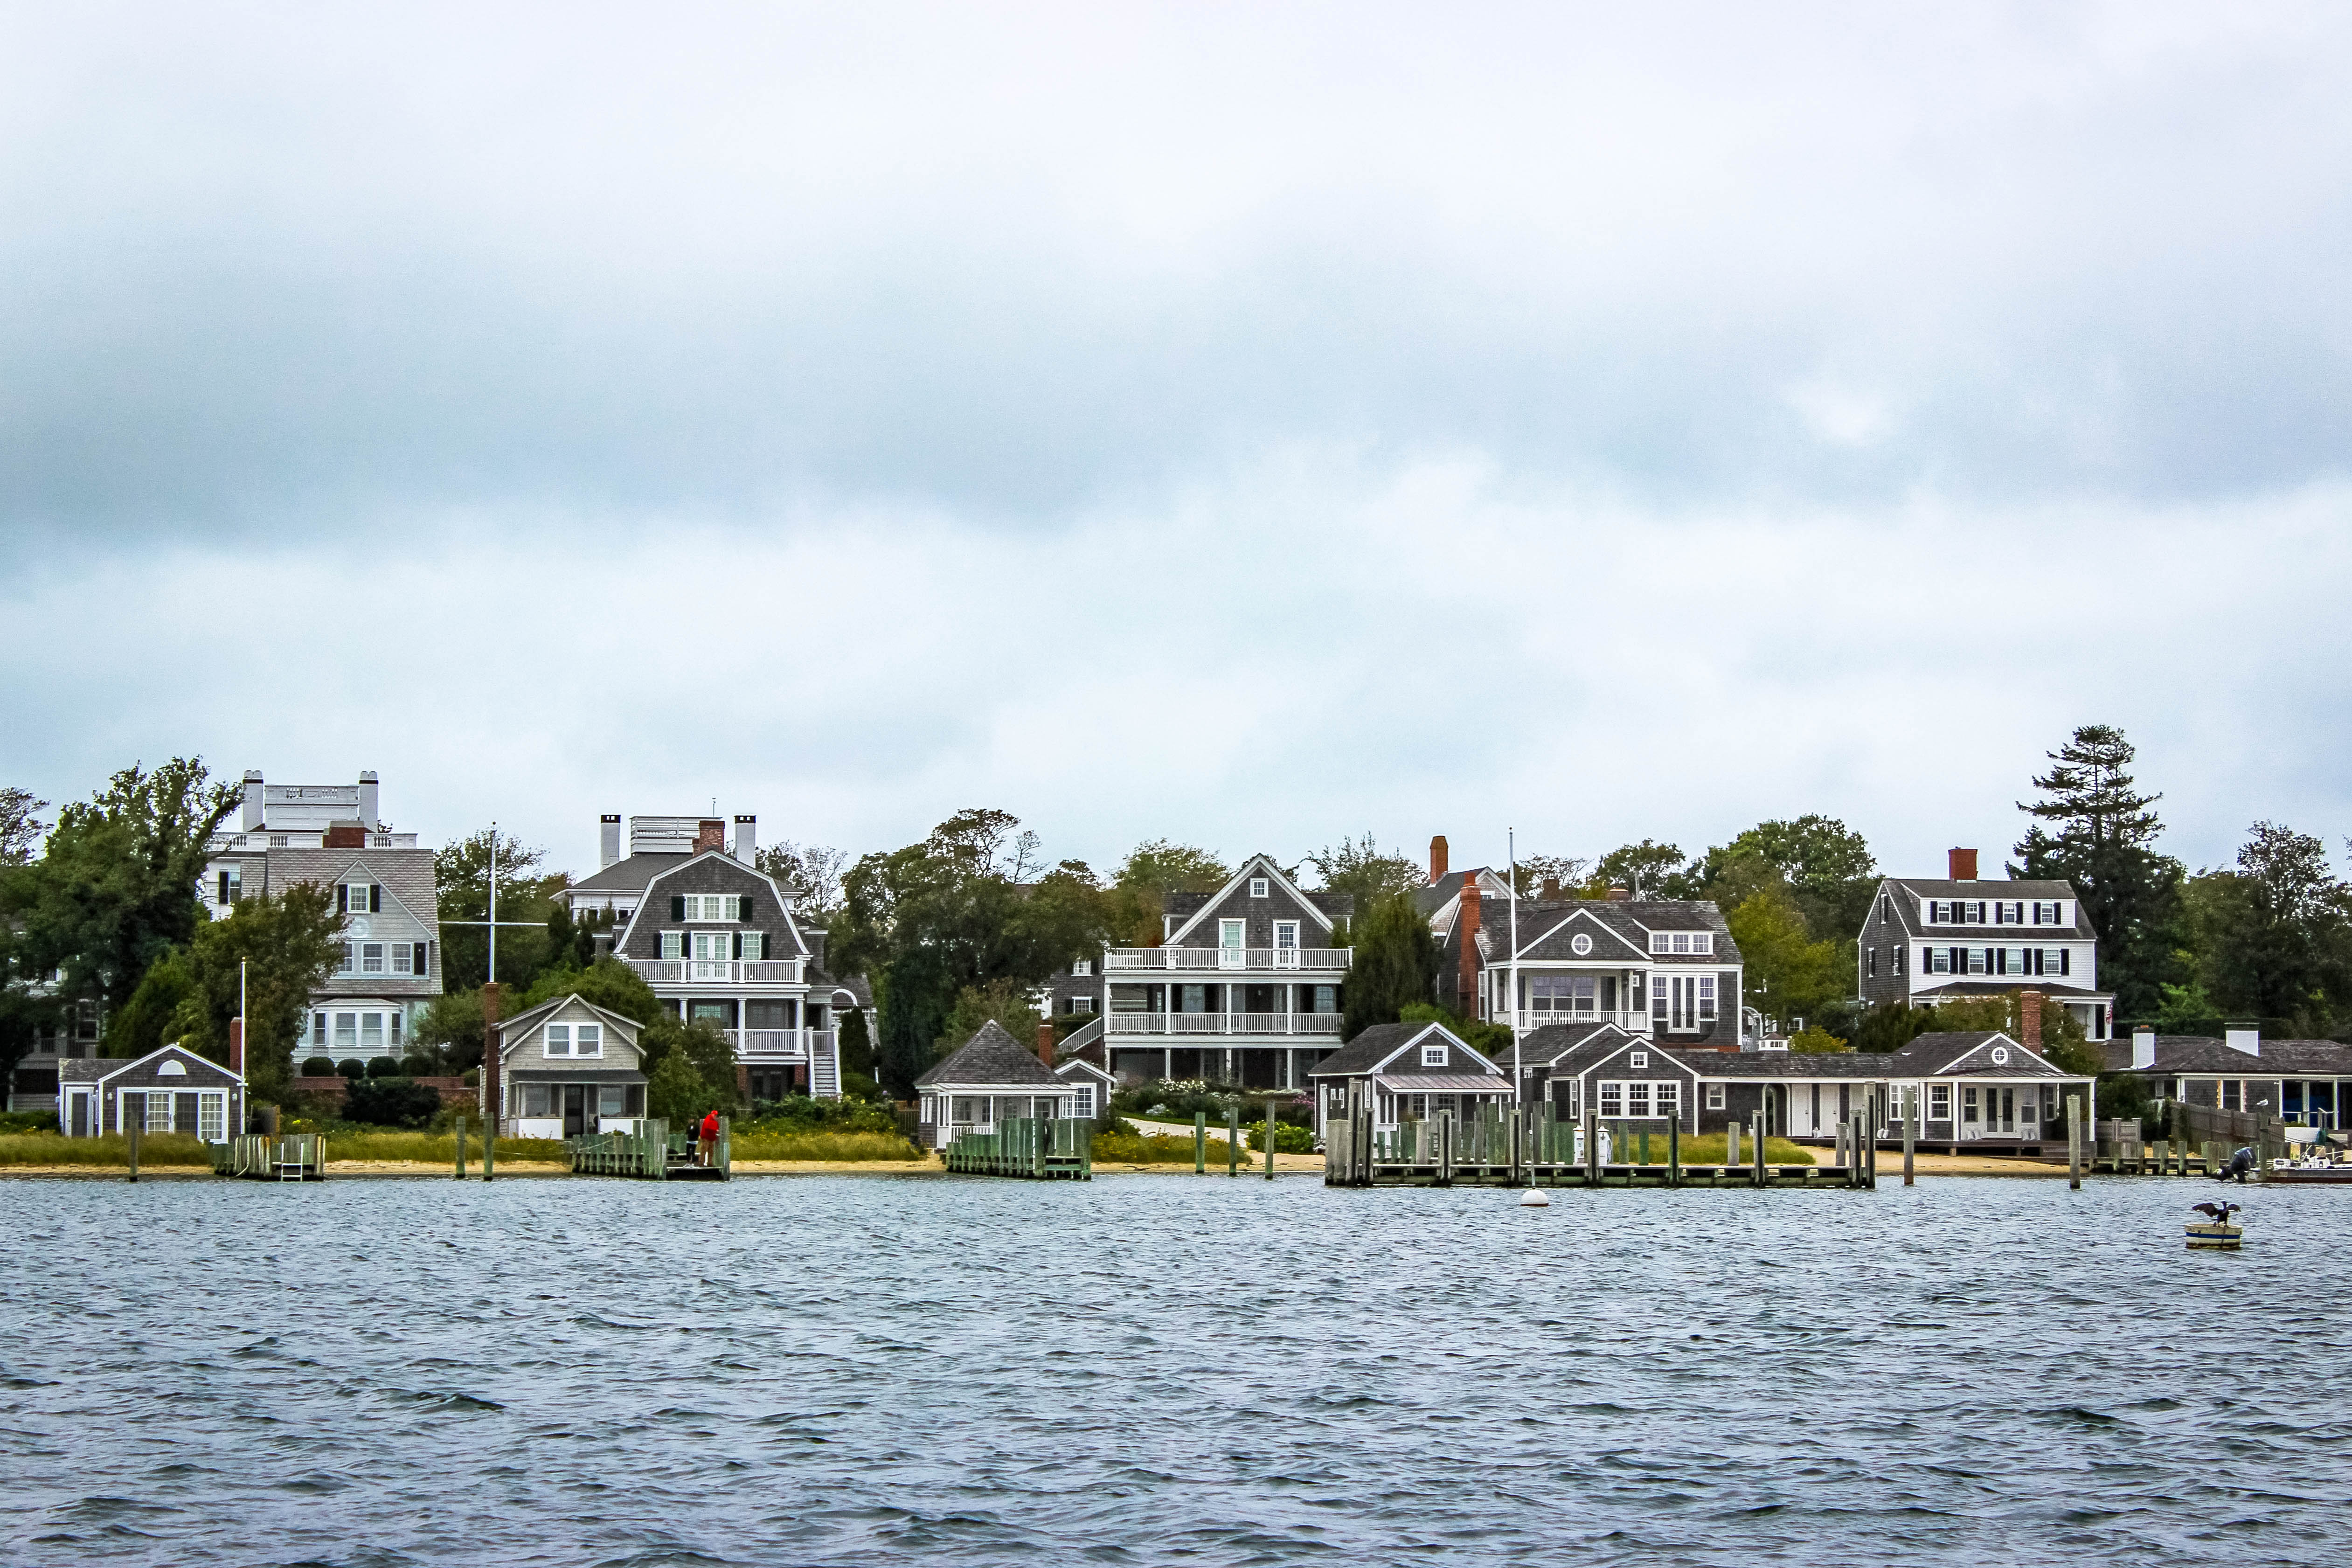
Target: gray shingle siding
[(711, 872)]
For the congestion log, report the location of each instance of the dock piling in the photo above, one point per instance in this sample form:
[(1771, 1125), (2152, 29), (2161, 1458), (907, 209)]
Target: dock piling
[(460, 1174), (490, 1148), (1234, 1141), (1910, 1129), (2075, 1142), (1269, 1140), (1200, 1143), (132, 1130)]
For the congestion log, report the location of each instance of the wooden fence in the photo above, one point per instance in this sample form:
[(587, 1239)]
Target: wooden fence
[(1048, 1149)]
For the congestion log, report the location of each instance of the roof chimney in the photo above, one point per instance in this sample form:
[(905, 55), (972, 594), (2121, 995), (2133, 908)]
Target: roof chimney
[(710, 833), (255, 813), (1964, 865), (1620, 895), (747, 838), (1437, 858), (2246, 1037), (1468, 925), (1551, 890), (2143, 1049), (1046, 1045), (608, 839), (368, 817), (2029, 1017)]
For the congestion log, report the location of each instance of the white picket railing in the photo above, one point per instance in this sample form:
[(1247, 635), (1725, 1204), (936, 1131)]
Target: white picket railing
[(1221, 1023), (717, 971), (778, 1045), (1275, 958), (1632, 1022)]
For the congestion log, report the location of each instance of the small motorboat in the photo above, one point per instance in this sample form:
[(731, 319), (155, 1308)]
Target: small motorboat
[(2311, 1171), (2217, 1230)]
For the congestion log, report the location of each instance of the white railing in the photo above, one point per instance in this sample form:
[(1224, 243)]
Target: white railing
[(717, 971), (778, 1045), (1311, 958), (1632, 1022), (1221, 1023)]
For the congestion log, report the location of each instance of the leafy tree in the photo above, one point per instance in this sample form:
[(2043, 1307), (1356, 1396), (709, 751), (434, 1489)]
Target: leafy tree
[(115, 888), (1647, 870), (2063, 1041), (607, 983), (391, 1102), (1138, 898), (2274, 936), (1006, 1002), (21, 828), (144, 1022), (1790, 975), (451, 1027), (689, 1070), (288, 945), (1491, 1040), (2187, 1009), (1394, 965), (811, 874), (2105, 844), (1362, 870), (1891, 1025), (462, 870), (1827, 867), (1814, 1041), (855, 1043), (927, 921), (1573, 875)]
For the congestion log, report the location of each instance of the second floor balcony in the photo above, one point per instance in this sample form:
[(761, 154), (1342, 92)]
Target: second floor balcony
[(1632, 1022), (779, 1045), (717, 971), (1331, 960), (1319, 1023)]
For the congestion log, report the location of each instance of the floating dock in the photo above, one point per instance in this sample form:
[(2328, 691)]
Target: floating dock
[(649, 1152)]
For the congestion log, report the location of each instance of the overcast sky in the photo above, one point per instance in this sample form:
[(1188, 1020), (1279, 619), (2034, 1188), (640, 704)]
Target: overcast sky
[(1249, 425)]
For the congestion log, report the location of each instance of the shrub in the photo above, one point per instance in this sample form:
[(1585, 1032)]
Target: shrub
[(1126, 1148), (351, 1067), (385, 1067), (1287, 1139), (318, 1066), (28, 1121), (392, 1102), (799, 1113)]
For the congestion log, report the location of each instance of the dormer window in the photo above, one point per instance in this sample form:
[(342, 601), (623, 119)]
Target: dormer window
[(2005, 913), (1638, 1060), (1257, 887), (1688, 942), (2047, 913), (707, 906), (1433, 1055), (1083, 967)]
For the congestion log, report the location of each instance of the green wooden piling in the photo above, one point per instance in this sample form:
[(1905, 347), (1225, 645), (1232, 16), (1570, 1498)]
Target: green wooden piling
[(1234, 1142), (490, 1148), (1910, 1129), (131, 1131), (1200, 1143), (1675, 1151), (2075, 1142), (1269, 1140), (1756, 1128), (461, 1148)]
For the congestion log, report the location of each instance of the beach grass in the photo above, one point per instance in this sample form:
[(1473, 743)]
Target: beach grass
[(155, 1148), (1131, 1149), (839, 1147), (1707, 1149)]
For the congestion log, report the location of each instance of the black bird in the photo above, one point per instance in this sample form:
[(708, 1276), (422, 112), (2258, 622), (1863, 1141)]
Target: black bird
[(2217, 1213)]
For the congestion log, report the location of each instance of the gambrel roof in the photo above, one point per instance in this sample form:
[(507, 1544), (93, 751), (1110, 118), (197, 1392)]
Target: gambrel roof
[(724, 874)]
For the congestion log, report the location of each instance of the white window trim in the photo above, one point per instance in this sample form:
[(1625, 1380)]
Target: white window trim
[(1259, 888), (551, 1047), (587, 1040), (1433, 1055)]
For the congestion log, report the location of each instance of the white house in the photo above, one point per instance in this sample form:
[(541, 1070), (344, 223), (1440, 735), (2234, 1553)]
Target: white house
[(1956, 938)]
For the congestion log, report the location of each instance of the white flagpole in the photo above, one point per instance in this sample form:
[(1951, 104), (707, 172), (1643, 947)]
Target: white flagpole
[(1512, 842)]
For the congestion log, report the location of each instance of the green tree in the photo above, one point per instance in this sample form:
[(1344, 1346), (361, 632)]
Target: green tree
[(525, 893), (1647, 870), (689, 1070), (2104, 844), (811, 874), (144, 1022), (287, 946), (452, 1028), (1493, 1041), (1139, 890), (1827, 867), (1394, 965), (2273, 936), (1362, 870), (1789, 976), (856, 1042), (1005, 1002), (1890, 1027), (607, 983), (21, 828), (1814, 1041), (1573, 875), (2064, 1043)]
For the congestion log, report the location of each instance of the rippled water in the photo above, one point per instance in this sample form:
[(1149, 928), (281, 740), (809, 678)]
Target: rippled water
[(1148, 1369)]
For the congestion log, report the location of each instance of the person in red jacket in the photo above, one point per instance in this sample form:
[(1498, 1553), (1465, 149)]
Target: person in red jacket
[(710, 1137)]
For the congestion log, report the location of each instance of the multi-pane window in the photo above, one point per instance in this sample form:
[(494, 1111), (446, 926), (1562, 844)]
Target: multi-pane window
[(1638, 1060), (212, 1117), (1706, 995), (231, 887), (371, 1033), (1083, 967), (159, 1113), (2047, 912), (1939, 1102), (1637, 1099), (1561, 992), (1612, 1099), (2006, 913), (2055, 960), (1682, 941), (319, 1030), (588, 1041), (350, 958), (673, 944), (559, 1039), (1976, 960), (1257, 887), (1670, 1098), (1968, 1102), (1715, 1097), (1433, 1055), (1326, 999), (346, 1031), (371, 958), (1934, 960)]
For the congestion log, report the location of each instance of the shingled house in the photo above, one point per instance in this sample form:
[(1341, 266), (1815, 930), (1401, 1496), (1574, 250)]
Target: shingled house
[(990, 1079), (1245, 988), (172, 1089), (1413, 1072), (2305, 1083), (1957, 938)]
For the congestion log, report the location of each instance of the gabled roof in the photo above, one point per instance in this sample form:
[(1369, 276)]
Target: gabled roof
[(991, 1058), (1552, 1043), (1434, 898), (1836, 1067), (1629, 922), (97, 1069), (405, 874), (1079, 1067), (1255, 865), (511, 1031), (1381, 1044), (1967, 1052), (2201, 1054)]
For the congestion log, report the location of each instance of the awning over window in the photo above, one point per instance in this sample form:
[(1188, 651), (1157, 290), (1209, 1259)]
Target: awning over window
[(1442, 1083)]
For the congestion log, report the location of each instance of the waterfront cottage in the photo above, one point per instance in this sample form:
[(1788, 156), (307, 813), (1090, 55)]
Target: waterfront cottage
[(1622, 1075), (988, 1079), (1092, 1083), (2305, 1083), (1981, 1090), (172, 1089), (569, 1066), (1413, 1072), (1801, 1094)]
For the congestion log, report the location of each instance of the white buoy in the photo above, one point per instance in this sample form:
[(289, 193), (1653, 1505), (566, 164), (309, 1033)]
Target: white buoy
[(1533, 1198)]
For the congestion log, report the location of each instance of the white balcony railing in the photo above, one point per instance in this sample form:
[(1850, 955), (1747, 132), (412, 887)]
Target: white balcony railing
[(779, 1045), (1312, 958), (1631, 1023), (1221, 1023), (717, 971)]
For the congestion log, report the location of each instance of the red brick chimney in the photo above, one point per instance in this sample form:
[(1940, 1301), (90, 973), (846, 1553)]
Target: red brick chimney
[(1964, 866), (1437, 858), (1046, 1045), (709, 834), (1551, 890), (2029, 1015), (1469, 926), (1620, 895)]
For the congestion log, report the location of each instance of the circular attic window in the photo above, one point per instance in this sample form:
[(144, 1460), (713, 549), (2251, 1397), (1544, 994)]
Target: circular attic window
[(1579, 944)]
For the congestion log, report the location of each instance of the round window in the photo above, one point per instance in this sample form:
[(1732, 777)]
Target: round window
[(2000, 1055), (1579, 944)]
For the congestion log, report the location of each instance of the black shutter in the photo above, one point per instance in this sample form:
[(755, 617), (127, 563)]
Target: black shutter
[(375, 897), (738, 945), (677, 906), (343, 899), (2064, 956)]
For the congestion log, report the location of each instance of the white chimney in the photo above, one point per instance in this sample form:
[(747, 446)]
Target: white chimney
[(608, 839), (2247, 1040), (368, 818), (2143, 1049), (255, 813), (747, 837)]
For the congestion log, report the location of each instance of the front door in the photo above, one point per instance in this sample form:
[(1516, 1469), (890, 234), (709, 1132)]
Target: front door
[(78, 1110), (2007, 1111), (575, 1110)]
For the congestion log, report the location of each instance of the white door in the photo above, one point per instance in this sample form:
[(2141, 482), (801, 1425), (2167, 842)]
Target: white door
[(1229, 945), (713, 951)]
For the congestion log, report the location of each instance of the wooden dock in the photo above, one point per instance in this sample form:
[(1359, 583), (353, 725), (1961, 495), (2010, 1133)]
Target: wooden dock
[(1051, 1149), (258, 1157), (650, 1153), (1534, 1148)]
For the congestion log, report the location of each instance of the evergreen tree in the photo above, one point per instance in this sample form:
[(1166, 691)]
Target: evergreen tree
[(2274, 937), (1394, 964), (2104, 844)]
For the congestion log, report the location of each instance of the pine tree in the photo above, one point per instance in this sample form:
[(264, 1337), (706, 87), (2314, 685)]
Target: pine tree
[(2105, 844), (1394, 964)]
